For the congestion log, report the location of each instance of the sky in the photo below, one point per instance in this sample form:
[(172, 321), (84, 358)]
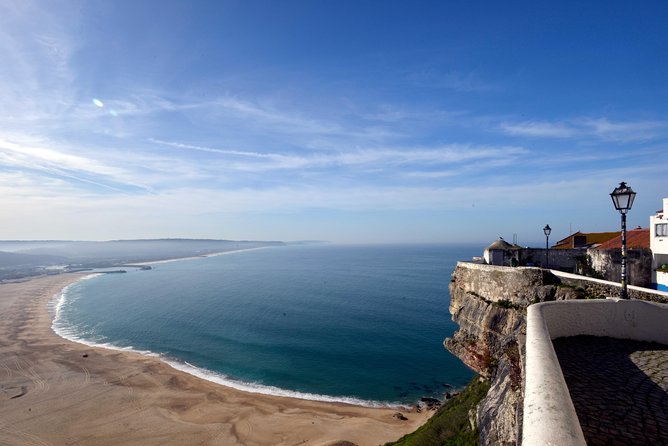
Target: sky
[(346, 121)]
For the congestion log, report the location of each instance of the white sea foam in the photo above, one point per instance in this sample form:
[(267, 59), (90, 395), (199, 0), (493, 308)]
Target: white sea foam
[(67, 332), (58, 300), (262, 389)]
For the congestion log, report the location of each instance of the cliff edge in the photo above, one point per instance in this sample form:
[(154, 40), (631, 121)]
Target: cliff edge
[(489, 305)]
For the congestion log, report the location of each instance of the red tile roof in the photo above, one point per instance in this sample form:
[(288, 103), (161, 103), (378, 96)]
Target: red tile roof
[(584, 239), (635, 239)]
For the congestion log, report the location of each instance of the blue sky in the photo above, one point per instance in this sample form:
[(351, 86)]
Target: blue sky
[(362, 121)]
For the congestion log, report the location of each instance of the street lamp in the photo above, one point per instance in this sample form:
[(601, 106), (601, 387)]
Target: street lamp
[(547, 229), (622, 198)]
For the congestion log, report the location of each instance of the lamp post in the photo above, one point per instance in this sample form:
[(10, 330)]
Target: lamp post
[(622, 198), (547, 229)]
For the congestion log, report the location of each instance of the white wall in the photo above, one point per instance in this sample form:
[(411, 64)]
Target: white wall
[(659, 247), (549, 415), (497, 257)]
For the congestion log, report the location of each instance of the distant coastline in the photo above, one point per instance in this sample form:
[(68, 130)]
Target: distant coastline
[(213, 254), (20, 259)]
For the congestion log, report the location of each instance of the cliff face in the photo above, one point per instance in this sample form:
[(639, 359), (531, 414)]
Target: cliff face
[(489, 304)]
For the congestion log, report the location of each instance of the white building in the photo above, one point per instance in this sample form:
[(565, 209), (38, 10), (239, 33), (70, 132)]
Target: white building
[(658, 242), (501, 253)]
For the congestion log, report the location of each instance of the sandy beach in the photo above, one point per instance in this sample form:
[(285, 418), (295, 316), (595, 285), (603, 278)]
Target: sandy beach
[(57, 392)]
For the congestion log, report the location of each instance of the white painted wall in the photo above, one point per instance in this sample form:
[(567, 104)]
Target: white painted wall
[(658, 244), (496, 257), (659, 247), (486, 256), (549, 415)]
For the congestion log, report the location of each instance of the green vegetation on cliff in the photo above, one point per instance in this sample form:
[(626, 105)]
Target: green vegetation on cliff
[(450, 425)]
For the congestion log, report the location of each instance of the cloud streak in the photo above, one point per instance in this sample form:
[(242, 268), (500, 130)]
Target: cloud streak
[(380, 157), (452, 80), (589, 128), (33, 156)]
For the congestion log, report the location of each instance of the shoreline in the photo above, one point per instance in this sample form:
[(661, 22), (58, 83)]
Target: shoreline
[(58, 391), (209, 375), (203, 256)]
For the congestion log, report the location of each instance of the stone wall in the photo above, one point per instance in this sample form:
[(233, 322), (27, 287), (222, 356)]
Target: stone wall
[(598, 289), (603, 264), (607, 263), (519, 286), (561, 259)]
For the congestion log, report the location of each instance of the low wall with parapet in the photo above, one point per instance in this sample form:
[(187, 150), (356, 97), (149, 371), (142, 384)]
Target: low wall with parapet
[(549, 415), (501, 283), (598, 288), (526, 285), (605, 263)]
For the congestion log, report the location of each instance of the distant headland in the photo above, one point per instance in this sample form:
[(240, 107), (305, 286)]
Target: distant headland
[(20, 259)]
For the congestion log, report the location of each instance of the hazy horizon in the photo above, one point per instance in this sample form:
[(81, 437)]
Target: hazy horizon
[(346, 122)]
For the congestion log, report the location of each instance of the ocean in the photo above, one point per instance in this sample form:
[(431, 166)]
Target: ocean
[(356, 324)]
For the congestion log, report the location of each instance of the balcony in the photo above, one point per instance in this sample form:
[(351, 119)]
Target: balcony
[(607, 380)]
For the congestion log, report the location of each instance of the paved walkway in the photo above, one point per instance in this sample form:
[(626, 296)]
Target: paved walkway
[(619, 389)]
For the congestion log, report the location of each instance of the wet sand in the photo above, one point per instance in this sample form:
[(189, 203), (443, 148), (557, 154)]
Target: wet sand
[(57, 392)]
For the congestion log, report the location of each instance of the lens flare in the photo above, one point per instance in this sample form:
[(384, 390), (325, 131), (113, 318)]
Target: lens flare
[(98, 102)]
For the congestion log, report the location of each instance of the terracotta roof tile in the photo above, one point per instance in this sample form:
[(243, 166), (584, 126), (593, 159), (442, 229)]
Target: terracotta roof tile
[(590, 238), (635, 239)]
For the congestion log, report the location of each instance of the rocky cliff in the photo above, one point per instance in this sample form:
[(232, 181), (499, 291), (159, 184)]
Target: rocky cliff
[(489, 304)]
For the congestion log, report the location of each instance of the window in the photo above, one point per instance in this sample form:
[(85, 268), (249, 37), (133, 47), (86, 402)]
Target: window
[(661, 230)]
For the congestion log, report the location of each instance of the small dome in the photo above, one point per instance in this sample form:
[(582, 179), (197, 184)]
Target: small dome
[(500, 244)]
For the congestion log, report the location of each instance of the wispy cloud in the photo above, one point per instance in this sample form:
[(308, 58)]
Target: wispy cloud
[(36, 75), (452, 80), (539, 129), (269, 115), (239, 153), (376, 157), (626, 131), (32, 155), (192, 201), (596, 128)]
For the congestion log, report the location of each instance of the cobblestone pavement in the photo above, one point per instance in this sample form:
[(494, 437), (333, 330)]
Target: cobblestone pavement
[(619, 389)]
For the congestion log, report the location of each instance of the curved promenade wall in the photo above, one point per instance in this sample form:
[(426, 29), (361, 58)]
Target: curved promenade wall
[(549, 416), (489, 303)]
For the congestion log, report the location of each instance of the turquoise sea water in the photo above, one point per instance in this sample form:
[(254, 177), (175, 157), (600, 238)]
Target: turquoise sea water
[(362, 324)]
